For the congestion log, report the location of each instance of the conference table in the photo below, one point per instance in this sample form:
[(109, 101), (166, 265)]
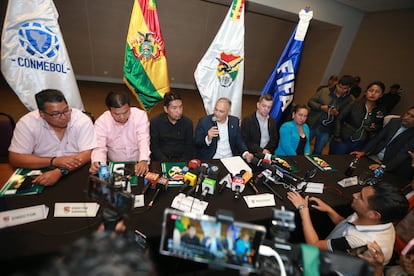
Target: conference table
[(49, 235)]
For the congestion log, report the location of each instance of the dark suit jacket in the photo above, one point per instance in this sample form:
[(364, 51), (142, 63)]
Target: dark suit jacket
[(396, 157), (250, 131), (207, 152)]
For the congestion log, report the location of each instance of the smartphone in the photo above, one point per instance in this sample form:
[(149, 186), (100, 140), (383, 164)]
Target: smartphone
[(409, 248), (358, 250)]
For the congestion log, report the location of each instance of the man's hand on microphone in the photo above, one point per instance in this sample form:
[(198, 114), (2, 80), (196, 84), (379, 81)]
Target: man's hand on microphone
[(141, 168), (248, 156), (212, 133)]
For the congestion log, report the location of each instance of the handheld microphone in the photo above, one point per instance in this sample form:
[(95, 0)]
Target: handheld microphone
[(151, 179), (214, 120), (162, 184), (238, 185)]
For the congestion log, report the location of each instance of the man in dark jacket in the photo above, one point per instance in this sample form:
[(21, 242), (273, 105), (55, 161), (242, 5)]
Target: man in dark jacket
[(259, 130), (218, 135), (391, 145), (325, 106)]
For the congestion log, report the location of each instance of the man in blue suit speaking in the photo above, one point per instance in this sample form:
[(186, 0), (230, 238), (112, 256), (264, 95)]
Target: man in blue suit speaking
[(218, 135)]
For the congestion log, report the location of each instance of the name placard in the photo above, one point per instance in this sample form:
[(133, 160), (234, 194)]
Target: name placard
[(23, 215), (260, 200), (76, 209)]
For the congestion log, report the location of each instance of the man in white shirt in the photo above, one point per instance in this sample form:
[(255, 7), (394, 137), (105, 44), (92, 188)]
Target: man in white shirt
[(376, 208)]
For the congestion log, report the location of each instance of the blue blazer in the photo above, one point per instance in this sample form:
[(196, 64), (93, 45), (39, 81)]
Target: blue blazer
[(289, 139), (235, 138)]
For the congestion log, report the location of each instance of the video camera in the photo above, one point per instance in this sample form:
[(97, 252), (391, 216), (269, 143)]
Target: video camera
[(279, 257), (113, 198)]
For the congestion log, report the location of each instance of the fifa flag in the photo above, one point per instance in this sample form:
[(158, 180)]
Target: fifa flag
[(145, 66), (33, 53), (220, 71), (281, 83)]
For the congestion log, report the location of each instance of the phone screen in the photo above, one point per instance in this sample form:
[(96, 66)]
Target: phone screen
[(358, 250), (207, 240)]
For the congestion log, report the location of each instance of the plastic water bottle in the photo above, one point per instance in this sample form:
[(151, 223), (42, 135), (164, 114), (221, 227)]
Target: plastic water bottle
[(379, 172), (103, 171), (352, 166)]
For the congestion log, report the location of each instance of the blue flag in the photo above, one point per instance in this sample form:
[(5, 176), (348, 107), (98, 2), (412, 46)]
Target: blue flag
[(281, 83)]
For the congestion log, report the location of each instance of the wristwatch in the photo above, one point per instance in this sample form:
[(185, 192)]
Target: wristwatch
[(301, 207), (64, 171)]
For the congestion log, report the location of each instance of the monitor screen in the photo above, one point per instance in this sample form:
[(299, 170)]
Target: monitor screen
[(207, 240)]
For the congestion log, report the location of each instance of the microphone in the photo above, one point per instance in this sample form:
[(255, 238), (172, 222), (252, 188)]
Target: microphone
[(162, 184), (203, 171), (127, 174), (193, 170), (265, 176), (248, 178), (151, 179), (214, 120), (238, 184), (189, 180), (224, 181), (194, 164), (126, 170), (208, 185)]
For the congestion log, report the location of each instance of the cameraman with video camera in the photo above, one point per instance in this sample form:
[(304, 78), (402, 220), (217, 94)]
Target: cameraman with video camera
[(370, 226)]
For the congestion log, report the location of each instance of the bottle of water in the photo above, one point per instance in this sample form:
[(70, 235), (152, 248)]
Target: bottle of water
[(352, 166), (376, 175), (379, 172), (103, 171)]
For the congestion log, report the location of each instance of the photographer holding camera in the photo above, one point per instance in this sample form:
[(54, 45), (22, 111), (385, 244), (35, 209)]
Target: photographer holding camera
[(376, 207)]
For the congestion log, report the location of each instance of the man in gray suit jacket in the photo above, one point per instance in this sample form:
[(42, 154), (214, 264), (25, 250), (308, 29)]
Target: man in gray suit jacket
[(391, 145)]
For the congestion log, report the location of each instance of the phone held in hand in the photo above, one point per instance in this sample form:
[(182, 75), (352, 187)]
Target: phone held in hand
[(358, 250)]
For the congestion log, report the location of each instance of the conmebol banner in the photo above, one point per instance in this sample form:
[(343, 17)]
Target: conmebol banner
[(33, 53)]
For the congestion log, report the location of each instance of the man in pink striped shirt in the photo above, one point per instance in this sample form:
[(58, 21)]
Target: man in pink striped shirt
[(122, 134)]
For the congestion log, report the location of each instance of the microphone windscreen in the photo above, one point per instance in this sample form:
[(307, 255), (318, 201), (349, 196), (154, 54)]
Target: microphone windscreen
[(152, 177), (247, 175), (194, 163), (191, 178)]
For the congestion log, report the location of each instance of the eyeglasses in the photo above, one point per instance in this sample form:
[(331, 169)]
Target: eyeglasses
[(57, 115)]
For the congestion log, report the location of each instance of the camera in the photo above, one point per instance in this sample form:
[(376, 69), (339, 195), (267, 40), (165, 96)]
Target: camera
[(110, 196)]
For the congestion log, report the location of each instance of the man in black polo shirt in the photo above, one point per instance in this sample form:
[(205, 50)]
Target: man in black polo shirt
[(171, 131)]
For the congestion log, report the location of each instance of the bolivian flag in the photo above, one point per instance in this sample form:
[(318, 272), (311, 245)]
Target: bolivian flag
[(145, 67)]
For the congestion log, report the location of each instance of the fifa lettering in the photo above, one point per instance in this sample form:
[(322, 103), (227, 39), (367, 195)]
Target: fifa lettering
[(41, 65), (286, 101), (286, 84)]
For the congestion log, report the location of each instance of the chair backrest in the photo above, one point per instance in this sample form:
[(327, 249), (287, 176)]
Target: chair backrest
[(388, 118), (7, 125)]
